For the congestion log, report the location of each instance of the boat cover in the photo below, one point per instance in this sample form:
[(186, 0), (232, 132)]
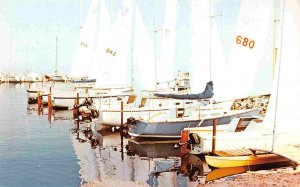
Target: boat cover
[(206, 94)]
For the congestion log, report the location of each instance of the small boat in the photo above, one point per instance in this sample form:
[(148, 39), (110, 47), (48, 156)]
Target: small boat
[(224, 172), (243, 160)]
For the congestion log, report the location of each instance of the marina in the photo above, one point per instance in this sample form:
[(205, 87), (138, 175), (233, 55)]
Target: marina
[(150, 93)]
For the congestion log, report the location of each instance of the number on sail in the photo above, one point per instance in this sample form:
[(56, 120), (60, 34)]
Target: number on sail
[(245, 42), (111, 51)]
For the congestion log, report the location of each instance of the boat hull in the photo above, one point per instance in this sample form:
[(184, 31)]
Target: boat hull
[(173, 129), (248, 160)]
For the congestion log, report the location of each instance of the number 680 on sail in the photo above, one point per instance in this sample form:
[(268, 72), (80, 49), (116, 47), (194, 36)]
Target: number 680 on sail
[(245, 42)]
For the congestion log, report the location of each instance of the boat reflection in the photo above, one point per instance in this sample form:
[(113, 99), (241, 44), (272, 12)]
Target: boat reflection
[(153, 149), (144, 162)]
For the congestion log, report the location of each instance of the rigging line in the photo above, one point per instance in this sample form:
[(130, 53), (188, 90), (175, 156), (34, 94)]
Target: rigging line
[(210, 38), (277, 81)]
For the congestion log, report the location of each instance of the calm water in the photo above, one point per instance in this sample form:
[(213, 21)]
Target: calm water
[(37, 153), (33, 152)]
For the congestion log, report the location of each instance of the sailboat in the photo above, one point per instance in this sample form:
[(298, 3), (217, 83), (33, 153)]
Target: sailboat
[(280, 126), (57, 77), (86, 46), (144, 70), (203, 113)]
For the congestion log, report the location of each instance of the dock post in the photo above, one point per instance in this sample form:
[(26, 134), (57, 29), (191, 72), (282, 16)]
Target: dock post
[(184, 139), (184, 152), (77, 112), (122, 112), (49, 105), (39, 102), (121, 129), (214, 136)]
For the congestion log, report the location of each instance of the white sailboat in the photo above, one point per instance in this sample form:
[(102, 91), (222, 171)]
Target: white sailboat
[(144, 70), (279, 128), (197, 115), (86, 46), (83, 59), (57, 77)]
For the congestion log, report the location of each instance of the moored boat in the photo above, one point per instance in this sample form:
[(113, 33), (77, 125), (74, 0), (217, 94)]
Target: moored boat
[(243, 160)]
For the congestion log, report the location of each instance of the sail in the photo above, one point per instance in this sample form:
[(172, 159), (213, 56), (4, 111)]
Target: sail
[(284, 107), (249, 69), (165, 69), (200, 44), (83, 55), (104, 30), (143, 54), (117, 50)]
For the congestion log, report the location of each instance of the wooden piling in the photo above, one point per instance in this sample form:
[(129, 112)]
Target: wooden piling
[(122, 112), (49, 106), (184, 139), (184, 152), (213, 149), (39, 102), (77, 112)]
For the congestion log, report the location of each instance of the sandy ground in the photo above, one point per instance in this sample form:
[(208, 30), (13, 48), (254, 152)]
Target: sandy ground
[(282, 177)]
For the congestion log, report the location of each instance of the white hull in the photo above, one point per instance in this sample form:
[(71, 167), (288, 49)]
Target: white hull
[(243, 140)]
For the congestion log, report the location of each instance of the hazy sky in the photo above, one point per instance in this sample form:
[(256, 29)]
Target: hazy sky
[(28, 29)]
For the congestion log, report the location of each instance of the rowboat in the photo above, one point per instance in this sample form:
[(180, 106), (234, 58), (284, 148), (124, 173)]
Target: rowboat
[(244, 160)]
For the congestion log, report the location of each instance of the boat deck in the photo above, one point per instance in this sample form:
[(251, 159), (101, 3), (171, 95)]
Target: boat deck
[(237, 152)]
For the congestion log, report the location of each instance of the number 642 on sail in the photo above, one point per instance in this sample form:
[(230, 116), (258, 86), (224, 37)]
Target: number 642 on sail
[(245, 42)]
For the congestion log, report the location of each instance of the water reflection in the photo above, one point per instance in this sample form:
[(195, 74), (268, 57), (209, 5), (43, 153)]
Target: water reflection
[(144, 162)]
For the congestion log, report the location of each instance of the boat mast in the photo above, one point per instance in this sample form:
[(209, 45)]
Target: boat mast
[(80, 15), (132, 46), (278, 76), (154, 26), (210, 38), (56, 55), (275, 49)]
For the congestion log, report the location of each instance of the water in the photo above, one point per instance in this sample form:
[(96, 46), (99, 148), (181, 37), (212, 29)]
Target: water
[(35, 152)]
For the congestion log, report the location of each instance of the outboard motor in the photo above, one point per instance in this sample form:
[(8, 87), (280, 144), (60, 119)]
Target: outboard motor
[(125, 127)]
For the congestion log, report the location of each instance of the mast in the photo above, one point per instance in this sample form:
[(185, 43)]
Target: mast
[(80, 16), (154, 26), (277, 81), (210, 38), (56, 55), (132, 46)]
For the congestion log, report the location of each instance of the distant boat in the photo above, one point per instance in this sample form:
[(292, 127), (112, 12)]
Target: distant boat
[(57, 77), (12, 78), (33, 77)]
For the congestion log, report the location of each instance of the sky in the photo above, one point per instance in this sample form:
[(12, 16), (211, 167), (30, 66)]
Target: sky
[(29, 28)]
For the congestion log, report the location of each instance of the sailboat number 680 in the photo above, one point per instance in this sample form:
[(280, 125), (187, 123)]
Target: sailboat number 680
[(245, 42)]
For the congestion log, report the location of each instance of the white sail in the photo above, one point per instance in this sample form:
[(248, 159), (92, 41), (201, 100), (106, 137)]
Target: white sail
[(284, 107), (249, 69), (165, 68), (200, 44), (118, 49), (143, 56), (83, 55), (96, 70)]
